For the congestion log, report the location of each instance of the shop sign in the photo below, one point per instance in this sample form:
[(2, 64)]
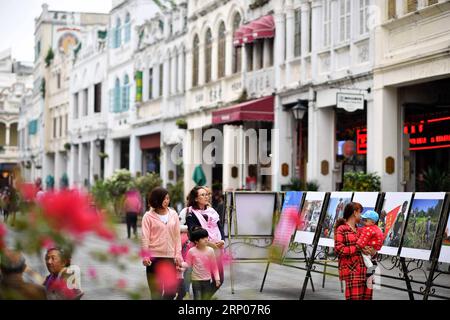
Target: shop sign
[(434, 134), (350, 102), (361, 141)]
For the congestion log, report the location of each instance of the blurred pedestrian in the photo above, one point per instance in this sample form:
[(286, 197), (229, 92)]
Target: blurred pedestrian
[(12, 284), (62, 282), (132, 207), (161, 238)]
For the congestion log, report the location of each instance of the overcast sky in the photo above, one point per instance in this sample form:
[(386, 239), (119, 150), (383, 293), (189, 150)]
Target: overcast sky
[(17, 21)]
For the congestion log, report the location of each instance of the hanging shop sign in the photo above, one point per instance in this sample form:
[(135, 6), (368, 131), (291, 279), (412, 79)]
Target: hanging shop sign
[(138, 77), (350, 102)]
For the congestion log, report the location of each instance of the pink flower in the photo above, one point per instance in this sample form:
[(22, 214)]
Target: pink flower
[(166, 276), (117, 250), (71, 211), (121, 284), (28, 191), (92, 273), (145, 253), (47, 243), (2, 235)]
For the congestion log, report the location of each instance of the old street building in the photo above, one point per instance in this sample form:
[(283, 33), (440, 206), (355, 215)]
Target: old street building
[(15, 90)]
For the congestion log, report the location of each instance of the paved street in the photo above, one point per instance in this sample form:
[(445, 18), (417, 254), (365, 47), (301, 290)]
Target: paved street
[(282, 282)]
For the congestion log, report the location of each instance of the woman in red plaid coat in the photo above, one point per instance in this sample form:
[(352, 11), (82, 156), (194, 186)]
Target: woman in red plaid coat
[(351, 264)]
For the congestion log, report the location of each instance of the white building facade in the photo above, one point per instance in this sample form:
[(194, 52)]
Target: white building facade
[(411, 111), (88, 111), (160, 94), (15, 89)]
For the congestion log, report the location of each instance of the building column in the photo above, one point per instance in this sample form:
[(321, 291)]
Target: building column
[(280, 42), (318, 119), (8, 134), (180, 73), (173, 73), (282, 145), (92, 163), (109, 161), (59, 160), (316, 37), (73, 170), (166, 77), (214, 57), (231, 157), (201, 62), (188, 161), (135, 155), (290, 38), (383, 137), (229, 53)]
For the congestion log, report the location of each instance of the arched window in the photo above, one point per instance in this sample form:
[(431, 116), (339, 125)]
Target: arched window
[(208, 55), (117, 101), (2, 134), (221, 51), (127, 27), (126, 93), (118, 34), (237, 51), (195, 60), (13, 135)]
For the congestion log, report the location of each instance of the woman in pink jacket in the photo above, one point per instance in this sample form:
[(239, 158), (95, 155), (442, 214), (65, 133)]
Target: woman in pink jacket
[(161, 238)]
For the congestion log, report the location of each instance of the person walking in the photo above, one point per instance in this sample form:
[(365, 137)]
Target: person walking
[(351, 265), (203, 262), (161, 239), (200, 214), (132, 208)]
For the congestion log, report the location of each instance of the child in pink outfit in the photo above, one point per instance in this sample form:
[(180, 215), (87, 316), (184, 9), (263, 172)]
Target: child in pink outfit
[(203, 262), (370, 236)]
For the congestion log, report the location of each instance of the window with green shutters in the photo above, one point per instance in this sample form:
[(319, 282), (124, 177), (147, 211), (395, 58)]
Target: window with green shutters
[(32, 127), (126, 93)]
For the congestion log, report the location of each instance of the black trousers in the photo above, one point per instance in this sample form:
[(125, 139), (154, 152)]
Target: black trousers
[(131, 219), (157, 289), (202, 289)]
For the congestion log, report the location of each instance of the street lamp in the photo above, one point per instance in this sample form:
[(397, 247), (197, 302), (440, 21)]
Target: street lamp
[(298, 112)]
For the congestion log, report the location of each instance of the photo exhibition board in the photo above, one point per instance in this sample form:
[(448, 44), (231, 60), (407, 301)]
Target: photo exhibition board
[(392, 220), (422, 225), (444, 256), (309, 217), (254, 213), (288, 219), (335, 210), (367, 199)]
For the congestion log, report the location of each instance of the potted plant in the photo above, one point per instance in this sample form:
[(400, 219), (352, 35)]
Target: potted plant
[(103, 155), (67, 146), (181, 123), (49, 58)]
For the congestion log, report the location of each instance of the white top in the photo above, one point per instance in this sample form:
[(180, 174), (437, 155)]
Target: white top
[(182, 216), (164, 218)]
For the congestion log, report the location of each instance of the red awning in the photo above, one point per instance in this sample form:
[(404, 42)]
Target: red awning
[(238, 38), (255, 110), (152, 141), (264, 27), (247, 32), (261, 28)]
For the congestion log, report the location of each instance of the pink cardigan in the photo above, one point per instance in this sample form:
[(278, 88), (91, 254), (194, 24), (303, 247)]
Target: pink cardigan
[(162, 240)]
